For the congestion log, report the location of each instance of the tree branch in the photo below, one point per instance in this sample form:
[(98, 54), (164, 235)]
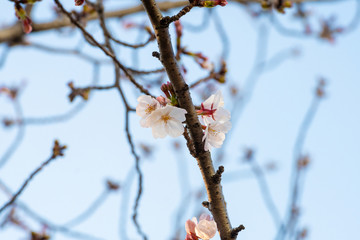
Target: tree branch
[(167, 57), (56, 152), (15, 31)]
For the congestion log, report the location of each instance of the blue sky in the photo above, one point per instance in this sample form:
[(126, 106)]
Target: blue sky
[(269, 123)]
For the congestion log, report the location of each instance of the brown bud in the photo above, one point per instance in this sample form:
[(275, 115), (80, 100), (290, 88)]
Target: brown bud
[(58, 150), (113, 186)]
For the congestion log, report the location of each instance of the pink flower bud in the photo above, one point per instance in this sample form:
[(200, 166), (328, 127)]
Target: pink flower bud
[(205, 229), (27, 25), (79, 2)]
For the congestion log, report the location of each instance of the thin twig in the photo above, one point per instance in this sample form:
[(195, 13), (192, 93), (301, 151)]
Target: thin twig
[(65, 116), (57, 151), (297, 171), (107, 52)]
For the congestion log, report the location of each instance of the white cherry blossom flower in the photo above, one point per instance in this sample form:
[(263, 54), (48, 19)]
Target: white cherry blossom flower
[(167, 121), (214, 134), (205, 229), (147, 105), (212, 109)]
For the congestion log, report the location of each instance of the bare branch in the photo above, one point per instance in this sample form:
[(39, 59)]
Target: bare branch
[(57, 151), (203, 157)]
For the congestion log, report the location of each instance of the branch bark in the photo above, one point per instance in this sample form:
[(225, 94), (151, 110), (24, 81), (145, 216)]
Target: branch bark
[(15, 32), (167, 58)]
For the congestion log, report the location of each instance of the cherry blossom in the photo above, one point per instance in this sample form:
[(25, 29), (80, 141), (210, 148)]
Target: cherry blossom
[(214, 134), (146, 106), (166, 121), (212, 109), (205, 229), (165, 118)]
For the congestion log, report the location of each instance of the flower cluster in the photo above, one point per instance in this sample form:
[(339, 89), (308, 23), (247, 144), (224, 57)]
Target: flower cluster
[(165, 117), (161, 114), (205, 229), (216, 121)]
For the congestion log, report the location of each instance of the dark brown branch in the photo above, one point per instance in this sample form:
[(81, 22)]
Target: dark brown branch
[(217, 176), (165, 21), (167, 57), (96, 43), (235, 231), (143, 72), (127, 127), (15, 32)]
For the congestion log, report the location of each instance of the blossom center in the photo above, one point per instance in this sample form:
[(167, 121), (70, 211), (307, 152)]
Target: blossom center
[(213, 131), (165, 118), (150, 109), (207, 112)]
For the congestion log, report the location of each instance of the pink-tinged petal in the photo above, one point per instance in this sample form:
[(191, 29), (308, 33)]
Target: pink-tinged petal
[(206, 229), (205, 216), (27, 25), (79, 2), (27, 28), (190, 226)]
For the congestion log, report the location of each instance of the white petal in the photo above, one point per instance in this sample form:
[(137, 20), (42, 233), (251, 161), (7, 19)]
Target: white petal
[(143, 123), (215, 100), (205, 216), (175, 128), (218, 99), (221, 127), (208, 102), (216, 140), (158, 130), (178, 114), (146, 103), (206, 229), (222, 115), (154, 117)]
